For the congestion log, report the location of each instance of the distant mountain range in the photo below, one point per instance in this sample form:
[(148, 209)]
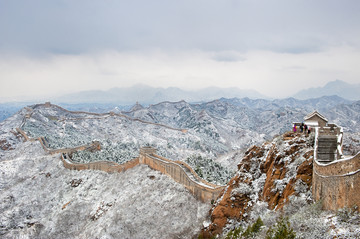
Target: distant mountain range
[(338, 87), (150, 95), (144, 94), (333, 93)]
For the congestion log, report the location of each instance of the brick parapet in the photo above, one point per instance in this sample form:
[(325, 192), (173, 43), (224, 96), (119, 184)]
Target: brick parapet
[(195, 174), (106, 166), (337, 184), (201, 191), (338, 167)]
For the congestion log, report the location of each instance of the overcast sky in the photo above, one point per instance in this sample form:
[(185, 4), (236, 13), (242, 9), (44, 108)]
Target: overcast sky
[(276, 47)]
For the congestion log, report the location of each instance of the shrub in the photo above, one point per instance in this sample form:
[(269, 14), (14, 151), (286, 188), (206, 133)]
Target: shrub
[(282, 230), (236, 233), (250, 231)]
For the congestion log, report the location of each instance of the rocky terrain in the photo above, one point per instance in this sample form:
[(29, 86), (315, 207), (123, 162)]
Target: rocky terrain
[(273, 181)]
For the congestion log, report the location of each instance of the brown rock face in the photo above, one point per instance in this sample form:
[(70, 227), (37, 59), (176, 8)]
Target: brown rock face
[(281, 163), (232, 206)]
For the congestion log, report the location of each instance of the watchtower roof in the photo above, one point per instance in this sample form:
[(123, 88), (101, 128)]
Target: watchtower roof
[(315, 113)]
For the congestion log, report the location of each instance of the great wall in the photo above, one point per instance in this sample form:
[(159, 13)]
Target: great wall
[(335, 180), (177, 170)]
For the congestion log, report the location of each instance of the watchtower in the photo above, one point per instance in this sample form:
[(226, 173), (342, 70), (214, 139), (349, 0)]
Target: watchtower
[(328, 137), (315, 119)]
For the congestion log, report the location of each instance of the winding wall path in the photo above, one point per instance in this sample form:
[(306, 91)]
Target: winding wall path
[(106, 115), (178, 170)]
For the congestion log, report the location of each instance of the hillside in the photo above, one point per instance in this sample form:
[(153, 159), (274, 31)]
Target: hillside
[(273, 181), (41, 199)]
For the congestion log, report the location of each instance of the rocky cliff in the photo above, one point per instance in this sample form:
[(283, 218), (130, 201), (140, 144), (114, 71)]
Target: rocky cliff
[(268, 173)]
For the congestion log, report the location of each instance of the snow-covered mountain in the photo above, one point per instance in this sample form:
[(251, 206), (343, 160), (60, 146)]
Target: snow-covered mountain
[(240, 123), (40, 198)]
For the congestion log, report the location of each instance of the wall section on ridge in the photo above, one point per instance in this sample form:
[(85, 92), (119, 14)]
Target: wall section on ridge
[(200, 190), (337, 184), (105, 166)]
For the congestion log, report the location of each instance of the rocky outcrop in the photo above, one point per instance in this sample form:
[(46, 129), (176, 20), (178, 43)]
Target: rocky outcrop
[(271, 173)]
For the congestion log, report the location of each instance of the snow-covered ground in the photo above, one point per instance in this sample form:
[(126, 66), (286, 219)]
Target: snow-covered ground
[(39, 198)]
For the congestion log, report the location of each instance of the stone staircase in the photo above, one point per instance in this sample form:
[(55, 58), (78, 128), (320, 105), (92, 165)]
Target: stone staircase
[(327, 148)]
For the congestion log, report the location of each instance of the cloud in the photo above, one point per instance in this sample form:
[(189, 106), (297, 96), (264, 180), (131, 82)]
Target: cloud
[(271, 73), (82, 26)]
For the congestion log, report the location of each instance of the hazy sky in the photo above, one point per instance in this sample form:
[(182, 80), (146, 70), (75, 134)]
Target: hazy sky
[(276, 47)]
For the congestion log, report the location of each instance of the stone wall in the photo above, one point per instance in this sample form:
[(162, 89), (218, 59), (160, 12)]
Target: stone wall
[(201, 189), (44, 144), (337, 184), (204, 192), (106, 166), (110, 114)]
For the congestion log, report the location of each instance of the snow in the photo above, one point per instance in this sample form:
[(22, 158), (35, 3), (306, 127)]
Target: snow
[(37, 200)]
